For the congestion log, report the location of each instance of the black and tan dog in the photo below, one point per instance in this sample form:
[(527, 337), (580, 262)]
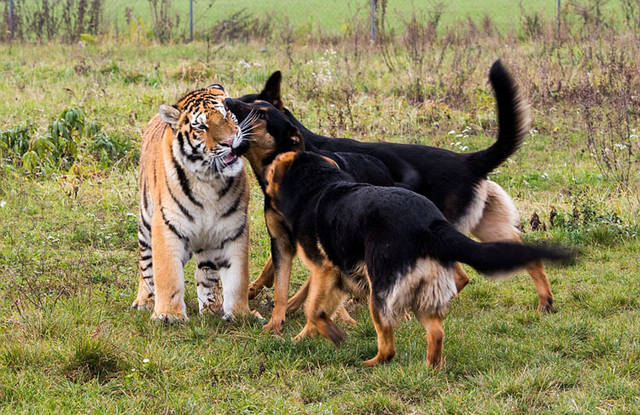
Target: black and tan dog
[(455, 182), (351, 237), (272, 134)]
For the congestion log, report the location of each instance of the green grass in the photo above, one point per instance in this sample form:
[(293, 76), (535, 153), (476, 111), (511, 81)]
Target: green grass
[(332, 16), (68, 272)]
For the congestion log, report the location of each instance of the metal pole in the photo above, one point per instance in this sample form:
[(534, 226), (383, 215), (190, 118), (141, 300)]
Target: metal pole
[(558, 15), (191, 20), (373, 20), (10, 19)]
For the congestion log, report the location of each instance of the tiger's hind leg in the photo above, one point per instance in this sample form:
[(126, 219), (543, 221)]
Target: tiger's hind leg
[(207, 279), (146, 290)]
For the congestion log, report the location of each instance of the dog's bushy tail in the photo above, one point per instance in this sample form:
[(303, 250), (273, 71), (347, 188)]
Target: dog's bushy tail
[(514, 121), (491, 258)]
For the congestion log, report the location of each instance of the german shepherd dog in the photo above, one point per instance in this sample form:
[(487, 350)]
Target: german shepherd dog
[(351, 236), (455, 182), (272, 134)]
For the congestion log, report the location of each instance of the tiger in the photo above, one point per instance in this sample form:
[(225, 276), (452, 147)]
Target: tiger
[(193, 200)]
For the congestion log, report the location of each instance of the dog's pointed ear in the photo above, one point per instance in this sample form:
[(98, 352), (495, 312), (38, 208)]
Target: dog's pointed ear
[(271, 92), (169, 114), (296, 138), (277, 170)]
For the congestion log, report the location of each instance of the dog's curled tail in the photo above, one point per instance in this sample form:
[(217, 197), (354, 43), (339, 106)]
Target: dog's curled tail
[(514, 122), (492, 258)]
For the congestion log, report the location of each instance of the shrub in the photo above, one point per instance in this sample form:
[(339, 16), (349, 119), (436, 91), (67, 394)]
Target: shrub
[(60, 146)]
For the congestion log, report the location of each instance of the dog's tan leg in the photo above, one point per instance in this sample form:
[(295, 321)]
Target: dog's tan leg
[(435, 337), (461, 277), (342, 315), (323, 300), (264, 280), (497, 224), (545, 296), (299, 297), (281, 288), (295, 302), (539, 276), (386, 340)]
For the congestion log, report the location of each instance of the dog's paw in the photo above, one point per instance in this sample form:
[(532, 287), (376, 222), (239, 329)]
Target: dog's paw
[(273, 326), (378, 359), (545, 306), (254, 290)]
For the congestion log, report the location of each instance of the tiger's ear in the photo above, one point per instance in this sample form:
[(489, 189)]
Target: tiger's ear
[(217, 86), (169, 114), (271, 92)]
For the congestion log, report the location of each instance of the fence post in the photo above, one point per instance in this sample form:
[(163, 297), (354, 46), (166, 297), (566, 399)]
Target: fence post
[(373, 20), (191, 20), (558, 16), (10, 19)]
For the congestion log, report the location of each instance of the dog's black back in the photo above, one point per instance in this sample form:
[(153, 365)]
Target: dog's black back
[(386, 228), (361, 166), (447, 178)]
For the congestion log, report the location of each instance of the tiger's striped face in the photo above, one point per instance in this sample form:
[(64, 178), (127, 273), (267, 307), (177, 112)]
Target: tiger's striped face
[(204, 132)]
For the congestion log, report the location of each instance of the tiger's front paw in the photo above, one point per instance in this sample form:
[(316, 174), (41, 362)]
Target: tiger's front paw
[(169, 317)]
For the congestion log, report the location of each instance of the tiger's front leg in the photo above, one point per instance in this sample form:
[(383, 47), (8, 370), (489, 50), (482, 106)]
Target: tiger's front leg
[(169, 253)]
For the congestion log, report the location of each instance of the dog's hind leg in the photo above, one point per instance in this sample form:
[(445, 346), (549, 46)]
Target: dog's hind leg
[(435, 337), (343, 315), (295, 302), (323, 300), (461, 277), (299, 297), (539, 276), (264, 280), (384, 330), (498, 224)]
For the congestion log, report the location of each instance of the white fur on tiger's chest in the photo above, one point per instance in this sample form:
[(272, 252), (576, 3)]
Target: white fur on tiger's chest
[(219, 211)]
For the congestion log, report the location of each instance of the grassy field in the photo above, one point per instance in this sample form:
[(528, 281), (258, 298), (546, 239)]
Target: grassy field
[(68, 270), (333, 15), (330, 17)]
